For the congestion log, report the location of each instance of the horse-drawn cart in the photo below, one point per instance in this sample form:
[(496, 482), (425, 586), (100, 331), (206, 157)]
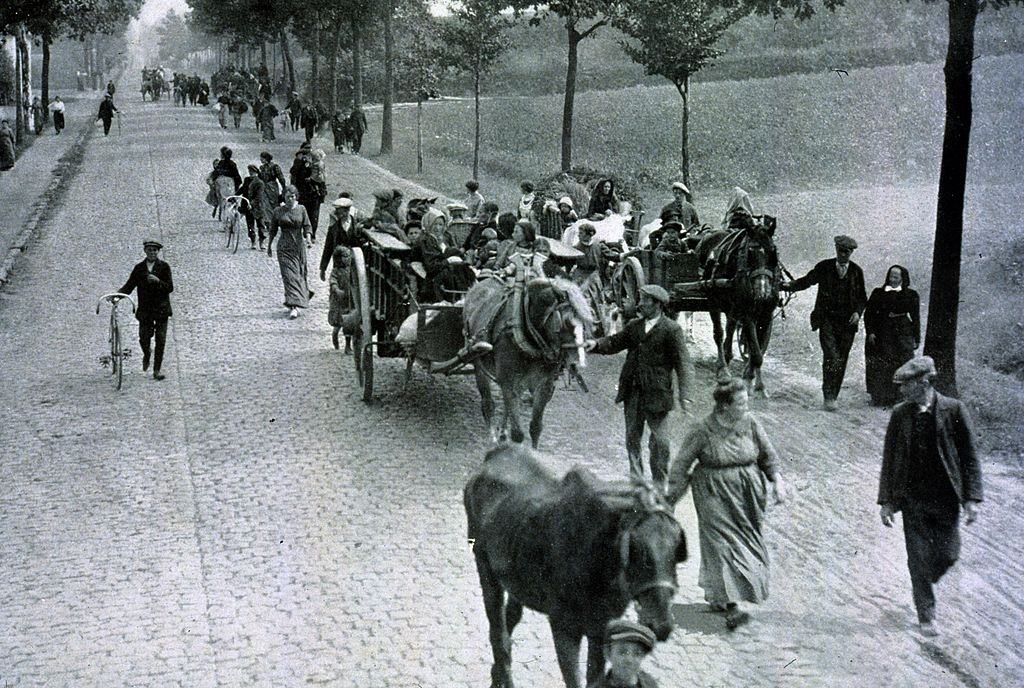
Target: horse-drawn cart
[(678, 273), (384, 293)]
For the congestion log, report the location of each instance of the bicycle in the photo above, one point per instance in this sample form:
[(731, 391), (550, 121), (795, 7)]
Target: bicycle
[(115, 359), (233, 219)]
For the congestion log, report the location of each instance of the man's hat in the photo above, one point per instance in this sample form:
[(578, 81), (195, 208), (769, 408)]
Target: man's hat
[(847, 242), (655, 292), (623, 630), (682, 187), (151, 243), (672, 224), (456, 206), (343, 203), (915, 368)]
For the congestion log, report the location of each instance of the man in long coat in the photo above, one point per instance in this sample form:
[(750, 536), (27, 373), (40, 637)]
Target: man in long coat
[(838, 306), (929, 471), (152, 277), (656, 353)]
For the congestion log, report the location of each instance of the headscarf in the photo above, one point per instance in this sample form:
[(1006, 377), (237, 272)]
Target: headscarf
[(904, 273), (600, 185), (430, 220), (739, 200)]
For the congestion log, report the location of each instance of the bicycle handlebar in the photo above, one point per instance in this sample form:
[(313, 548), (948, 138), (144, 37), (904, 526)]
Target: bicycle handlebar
[(241, 198), (113, 299)]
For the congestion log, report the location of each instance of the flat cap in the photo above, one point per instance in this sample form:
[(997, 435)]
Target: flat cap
[(843, 241), (918, 367), (655, 292), (343, 203), (672, 224), (682, 187), (456, 206), (623, 630), (152, 243)]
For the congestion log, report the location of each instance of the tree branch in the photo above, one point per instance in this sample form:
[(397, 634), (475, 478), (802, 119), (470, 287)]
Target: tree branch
[(593, 28)]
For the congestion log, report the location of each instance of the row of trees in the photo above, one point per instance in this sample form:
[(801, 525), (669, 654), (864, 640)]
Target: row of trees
[(670, 38), (45, 21)]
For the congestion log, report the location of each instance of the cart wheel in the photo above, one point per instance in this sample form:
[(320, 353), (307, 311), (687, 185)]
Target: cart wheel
[(627, 287), (363, 354)]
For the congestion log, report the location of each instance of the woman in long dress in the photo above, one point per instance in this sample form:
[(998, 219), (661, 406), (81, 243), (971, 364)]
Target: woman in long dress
[(726, 458), (892, 320), (292, 223)]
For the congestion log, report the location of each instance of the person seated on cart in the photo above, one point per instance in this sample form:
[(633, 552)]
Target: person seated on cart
[(566, 212), (671, 241), (385, 215), (487, 254), (488, 217), (604, 202), (457, 212), (520, 251), (681, 208), (551, 266)]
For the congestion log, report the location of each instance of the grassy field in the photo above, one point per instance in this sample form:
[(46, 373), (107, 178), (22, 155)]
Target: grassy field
[(826, 154)]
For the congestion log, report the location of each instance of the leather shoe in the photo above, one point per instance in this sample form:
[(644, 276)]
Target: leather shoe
[(157, 375), (830, 405), (929, 630), (145, 361)]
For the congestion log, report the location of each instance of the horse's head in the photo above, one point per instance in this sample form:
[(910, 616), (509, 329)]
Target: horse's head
[(560, 315), (756, 264), (651, 544)]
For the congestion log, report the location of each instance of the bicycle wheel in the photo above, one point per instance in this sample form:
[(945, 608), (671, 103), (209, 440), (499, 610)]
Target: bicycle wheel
[(231, 233), (236, 234), (116, 363)]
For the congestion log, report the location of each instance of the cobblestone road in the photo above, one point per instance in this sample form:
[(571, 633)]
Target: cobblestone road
[(250, 522)]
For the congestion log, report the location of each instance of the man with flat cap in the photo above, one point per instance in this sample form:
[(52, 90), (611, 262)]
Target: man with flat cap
[(680, 210), (929, 472), (838, 306), (152, 277), (626, 643), (656, 352)]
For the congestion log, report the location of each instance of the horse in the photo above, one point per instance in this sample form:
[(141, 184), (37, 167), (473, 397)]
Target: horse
[(578, 550), (742, 274), (531, 327), (416, 208)]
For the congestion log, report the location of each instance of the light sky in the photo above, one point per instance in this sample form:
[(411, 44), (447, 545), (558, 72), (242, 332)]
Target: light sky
[(154, 10)]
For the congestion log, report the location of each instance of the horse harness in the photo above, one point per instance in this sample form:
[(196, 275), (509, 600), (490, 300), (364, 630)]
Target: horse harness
[(523, 327)]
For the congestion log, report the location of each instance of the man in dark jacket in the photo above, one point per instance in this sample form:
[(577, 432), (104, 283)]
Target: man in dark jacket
[(106, 113), (929, 470), (837, 309), (357, 127), (680, 209), (656, 352), (152, 277)]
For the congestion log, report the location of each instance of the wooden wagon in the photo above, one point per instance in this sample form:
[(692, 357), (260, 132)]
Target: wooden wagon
[(384, 293)]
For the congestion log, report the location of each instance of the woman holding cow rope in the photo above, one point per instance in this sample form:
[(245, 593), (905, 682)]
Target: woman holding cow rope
[(727, 458)]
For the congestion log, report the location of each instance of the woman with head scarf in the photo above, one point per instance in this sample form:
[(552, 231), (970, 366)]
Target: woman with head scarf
[(291, 222), (892, 320), (739, 211), (604, 201)]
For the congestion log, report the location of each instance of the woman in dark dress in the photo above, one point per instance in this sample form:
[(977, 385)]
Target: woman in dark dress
[(604, 200), (892, 320)]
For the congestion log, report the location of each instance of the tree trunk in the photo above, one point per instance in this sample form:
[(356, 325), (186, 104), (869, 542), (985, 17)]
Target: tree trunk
[(944, 299), (85, 59), (684, 150), (570, 96), (476, 120), (19, 68), (419, 134), (386, 134), (289, 65), (332, 64), (25, 86), (46, 76), (95, 64), (357, 65), (263, 53), (314, 63)]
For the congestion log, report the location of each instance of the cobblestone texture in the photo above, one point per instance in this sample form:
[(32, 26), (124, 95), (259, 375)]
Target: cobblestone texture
[(250, 522)]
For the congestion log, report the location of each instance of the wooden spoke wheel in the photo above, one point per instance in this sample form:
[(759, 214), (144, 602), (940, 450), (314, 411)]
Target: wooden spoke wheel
[(363, 344), (629, 279)]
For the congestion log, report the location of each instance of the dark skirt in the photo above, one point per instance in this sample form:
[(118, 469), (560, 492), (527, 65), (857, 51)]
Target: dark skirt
[(891, 349)]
